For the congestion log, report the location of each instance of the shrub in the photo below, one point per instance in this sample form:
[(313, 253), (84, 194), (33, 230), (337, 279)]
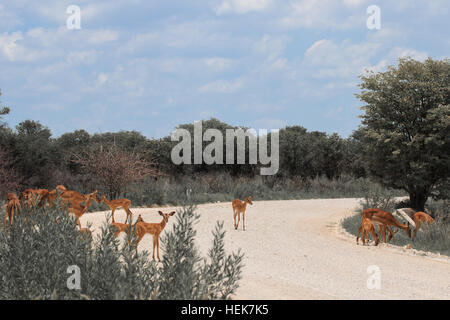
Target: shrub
[(35, 254)]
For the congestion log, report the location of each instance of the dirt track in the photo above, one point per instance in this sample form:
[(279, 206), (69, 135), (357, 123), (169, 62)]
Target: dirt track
[(295, 250)]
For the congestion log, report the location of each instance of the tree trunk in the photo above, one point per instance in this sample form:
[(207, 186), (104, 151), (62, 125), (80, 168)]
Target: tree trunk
[(417, 200)]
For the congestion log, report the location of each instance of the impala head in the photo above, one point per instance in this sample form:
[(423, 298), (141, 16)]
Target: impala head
[(11, 196), (60, 188), (166, 215), (94, 196), (249, 200)]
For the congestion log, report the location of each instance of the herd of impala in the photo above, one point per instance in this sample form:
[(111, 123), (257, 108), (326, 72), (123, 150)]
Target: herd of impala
[(78, 204), (385, 221)]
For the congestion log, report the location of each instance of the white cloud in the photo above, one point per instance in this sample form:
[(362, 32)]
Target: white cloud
[(268, 123), (13, 50), (221, 86), (217, 64), (87, 56), (322, 14), (102, 36), (272, 46), (342, 60), (102, 78), (334, 112), (242, 6)]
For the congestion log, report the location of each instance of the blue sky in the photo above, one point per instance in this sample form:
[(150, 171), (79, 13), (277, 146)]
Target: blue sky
[(151, 65)]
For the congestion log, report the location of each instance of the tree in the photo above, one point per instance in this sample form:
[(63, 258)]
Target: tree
[(3, 111), (8, 177), (406, 126), (33, 153), (116, 168)]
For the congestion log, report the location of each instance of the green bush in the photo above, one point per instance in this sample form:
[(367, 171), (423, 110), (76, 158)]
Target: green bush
[(35, 254)]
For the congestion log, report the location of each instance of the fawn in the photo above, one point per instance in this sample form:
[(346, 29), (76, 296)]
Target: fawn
[(155, 229)]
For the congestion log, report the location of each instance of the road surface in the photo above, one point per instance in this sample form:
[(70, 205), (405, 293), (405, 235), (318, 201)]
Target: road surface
[(296, 250)]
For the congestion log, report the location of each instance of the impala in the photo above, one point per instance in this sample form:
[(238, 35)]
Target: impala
[(12, 205), (119, 203), (386, 220), (366, 228), (421, 218), (155, 229), (238, 208), (77, 208)]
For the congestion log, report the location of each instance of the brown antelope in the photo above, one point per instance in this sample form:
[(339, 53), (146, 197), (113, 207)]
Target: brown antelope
[(386, 220), (238, 208), (12, 205), (77, 208), (50, 197), (28, 196), (120, 227), (421, 218), (366, 228), (68, 195), (119, 203), (155, 229)]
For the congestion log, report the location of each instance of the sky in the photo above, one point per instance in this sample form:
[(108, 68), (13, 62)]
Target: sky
[(152, 65)]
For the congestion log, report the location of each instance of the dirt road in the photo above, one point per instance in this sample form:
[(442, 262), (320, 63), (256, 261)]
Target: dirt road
[(295, 250)]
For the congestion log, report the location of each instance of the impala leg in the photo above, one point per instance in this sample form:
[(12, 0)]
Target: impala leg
[(234, 217), (384, 233), (375, 237), (154, 245), (239, 220), (157, 248), (415, 230), (243, 220), (140, 236), (129, 214), (359, 233)]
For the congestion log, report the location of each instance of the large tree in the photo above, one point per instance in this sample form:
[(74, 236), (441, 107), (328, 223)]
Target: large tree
[(405, 131)]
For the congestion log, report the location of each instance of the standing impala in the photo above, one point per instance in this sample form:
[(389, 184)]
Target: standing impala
[(155, 229), (386, 220), (12, 205), (80, 207), (119, 203), (366, 228), (419, 219), (238, 208)]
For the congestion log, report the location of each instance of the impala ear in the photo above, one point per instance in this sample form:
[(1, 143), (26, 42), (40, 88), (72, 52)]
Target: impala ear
[(172, 213), (160, 213)]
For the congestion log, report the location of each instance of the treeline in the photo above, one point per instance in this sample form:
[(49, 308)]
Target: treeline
[(402, 143), (39, 160)]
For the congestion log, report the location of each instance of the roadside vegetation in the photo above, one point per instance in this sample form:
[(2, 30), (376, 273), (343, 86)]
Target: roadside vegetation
[(36, 253)]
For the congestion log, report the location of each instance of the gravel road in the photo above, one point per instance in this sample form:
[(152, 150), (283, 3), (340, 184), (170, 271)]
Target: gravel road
[(296, 250)]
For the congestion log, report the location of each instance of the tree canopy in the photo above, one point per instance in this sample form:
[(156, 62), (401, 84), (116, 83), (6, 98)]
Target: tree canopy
[(405, 130)]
